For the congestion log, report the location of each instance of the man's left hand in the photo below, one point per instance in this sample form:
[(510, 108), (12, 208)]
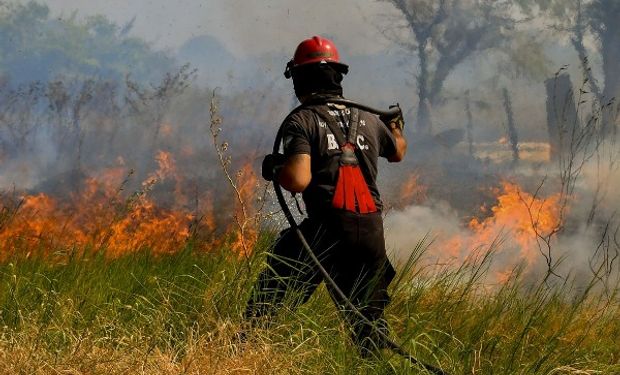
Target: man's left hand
[(272, 163)]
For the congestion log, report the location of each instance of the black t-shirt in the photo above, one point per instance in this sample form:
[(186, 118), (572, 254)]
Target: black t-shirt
[(306, 132)]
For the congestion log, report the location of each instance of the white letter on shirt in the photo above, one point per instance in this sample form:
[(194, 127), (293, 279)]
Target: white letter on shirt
[(331, 142), (360, 143)]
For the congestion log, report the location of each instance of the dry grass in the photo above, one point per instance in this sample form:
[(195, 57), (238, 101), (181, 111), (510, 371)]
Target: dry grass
[(181, 313)]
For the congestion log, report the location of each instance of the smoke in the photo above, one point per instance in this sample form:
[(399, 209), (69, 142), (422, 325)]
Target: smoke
[(407, 227), (126, 125), (28, 170), (247, 29), (519, 226), (601, 177)]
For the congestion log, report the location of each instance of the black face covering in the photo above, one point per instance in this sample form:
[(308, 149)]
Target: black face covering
[(317, 78)]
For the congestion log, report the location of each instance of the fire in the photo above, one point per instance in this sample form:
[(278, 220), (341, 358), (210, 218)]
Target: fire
[(34, 225), (412, 191), (187, 151), (245, 213), (166, 129), (209, 213), (167, 166), (103, 215), (99, 216), (146, 225), (518, 218), (524, 217)]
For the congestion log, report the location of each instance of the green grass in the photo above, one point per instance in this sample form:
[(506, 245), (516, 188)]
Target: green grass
[(179, 313)]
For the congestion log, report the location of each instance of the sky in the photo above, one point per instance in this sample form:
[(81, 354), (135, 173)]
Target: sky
[(245, 28), (265, 33)]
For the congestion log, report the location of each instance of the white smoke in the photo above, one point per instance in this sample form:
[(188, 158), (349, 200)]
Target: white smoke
[(405, 228), (585, 247)]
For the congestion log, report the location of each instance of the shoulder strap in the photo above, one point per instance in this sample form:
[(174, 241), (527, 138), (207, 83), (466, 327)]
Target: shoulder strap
[(353, 123)]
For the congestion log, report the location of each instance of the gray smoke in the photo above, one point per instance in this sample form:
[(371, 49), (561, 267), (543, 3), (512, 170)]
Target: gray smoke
[(587, 245)]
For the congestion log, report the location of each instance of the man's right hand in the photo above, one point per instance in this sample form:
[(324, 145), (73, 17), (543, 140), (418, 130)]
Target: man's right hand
[(395, 121), (272, 164)]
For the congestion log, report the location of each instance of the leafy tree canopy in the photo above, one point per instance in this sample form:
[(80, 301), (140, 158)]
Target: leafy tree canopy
[(34, 46)]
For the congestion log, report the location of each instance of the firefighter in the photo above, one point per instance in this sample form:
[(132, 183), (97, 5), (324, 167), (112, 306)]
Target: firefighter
[(330, 155)]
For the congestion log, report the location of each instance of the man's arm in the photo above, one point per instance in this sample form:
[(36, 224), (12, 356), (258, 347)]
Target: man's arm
[(401, 144), (395, 123), (291, 170), (295, 174)]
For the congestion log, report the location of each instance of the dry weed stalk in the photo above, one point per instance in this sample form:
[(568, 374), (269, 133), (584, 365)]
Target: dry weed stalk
[(247, 218)]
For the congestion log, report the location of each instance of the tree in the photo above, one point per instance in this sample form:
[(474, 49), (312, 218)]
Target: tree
[(580, 19), (37, 47), (444, 34), (603, 20)]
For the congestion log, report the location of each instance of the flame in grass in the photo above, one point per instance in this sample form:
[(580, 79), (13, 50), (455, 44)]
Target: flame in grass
[(146, 225), (98, 216), (246, 215), (412, 191), (138, 222), (525, 219), (102, 216), (519, 218), (517, 228)]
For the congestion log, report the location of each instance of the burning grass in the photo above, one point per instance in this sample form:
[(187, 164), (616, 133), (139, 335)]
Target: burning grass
[(104, 281), (101, 281), (101, 215), (179, 313), (520, 221)]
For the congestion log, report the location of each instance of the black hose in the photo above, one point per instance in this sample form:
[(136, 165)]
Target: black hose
[(390, 112), (289, 217)]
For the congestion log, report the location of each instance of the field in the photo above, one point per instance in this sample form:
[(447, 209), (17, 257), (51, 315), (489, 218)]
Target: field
[(134, 219), (107, 271), (179, 313)]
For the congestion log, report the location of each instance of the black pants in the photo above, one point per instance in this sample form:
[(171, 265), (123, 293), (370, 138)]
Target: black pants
[(351, 247)]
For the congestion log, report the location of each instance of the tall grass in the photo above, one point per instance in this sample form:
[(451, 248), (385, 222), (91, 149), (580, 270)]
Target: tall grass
[(180, 313)]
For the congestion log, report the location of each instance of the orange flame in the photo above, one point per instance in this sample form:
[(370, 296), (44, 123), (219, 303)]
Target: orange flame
[(98, 216), (245, 212), (412, 191), (519, 218), (101, 215), (525, 217)]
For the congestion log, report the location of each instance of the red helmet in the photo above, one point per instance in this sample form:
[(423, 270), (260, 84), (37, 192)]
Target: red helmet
[(316, 50)]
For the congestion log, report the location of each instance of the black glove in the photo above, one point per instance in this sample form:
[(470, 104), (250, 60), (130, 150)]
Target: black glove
[(272, 163), (394, 121)]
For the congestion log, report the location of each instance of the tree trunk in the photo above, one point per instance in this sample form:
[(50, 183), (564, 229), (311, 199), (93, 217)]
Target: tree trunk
[(469, 128), (610, 43), (511, 127), (424, 123), (562, 116)]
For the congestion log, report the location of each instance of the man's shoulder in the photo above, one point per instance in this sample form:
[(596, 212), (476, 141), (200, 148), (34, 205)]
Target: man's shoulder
[(369, 120), (302, 115), (368, 116)]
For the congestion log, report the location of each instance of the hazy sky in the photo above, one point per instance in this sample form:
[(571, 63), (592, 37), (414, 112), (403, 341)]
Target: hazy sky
[(245, 27), (272, 29)]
